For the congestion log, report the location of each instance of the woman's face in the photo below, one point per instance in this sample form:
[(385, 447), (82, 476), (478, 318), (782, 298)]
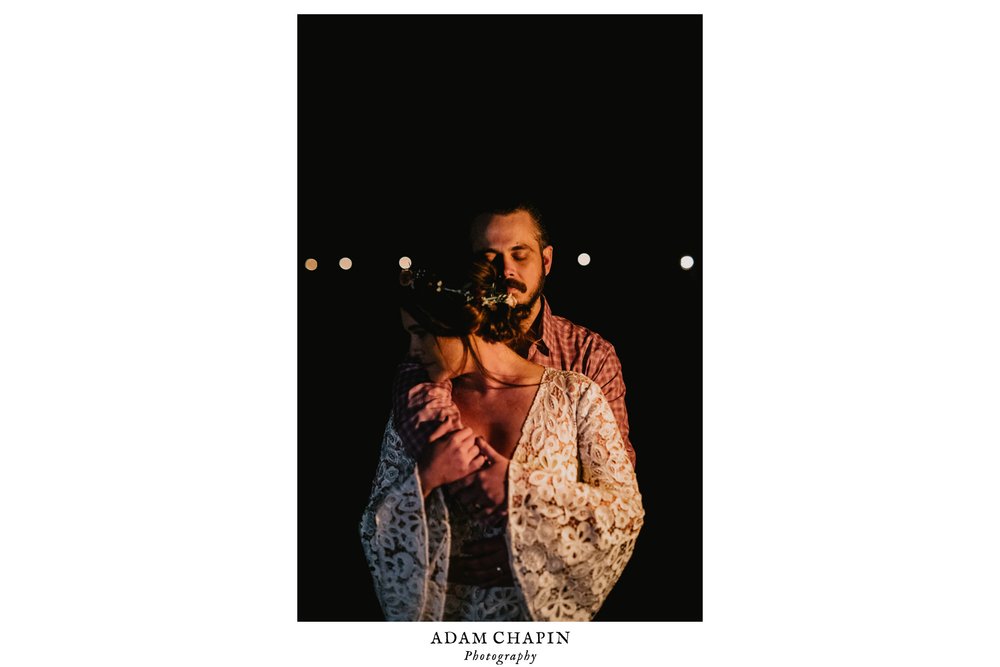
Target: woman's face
[(443, 357)]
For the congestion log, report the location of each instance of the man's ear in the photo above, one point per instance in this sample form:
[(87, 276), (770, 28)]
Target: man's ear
[(547, 259)]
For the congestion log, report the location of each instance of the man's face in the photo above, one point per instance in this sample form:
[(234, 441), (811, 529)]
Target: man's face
[(511, 243)]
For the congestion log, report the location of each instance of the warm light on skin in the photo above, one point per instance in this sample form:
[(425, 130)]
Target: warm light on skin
[(346, 263), (446, 358), (443, 357), (512, 241)]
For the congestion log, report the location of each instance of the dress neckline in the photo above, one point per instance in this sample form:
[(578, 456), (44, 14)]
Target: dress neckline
[(542, 382)]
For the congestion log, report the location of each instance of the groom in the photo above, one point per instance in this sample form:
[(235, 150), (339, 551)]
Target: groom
[(515, 240)]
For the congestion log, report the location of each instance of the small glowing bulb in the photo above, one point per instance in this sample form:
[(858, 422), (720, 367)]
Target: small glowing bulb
[(584, 259), (687, 261), (311, 264), (346, 263), (405, 262)]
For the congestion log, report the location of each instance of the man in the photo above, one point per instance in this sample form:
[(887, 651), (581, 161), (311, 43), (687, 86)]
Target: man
[(518, 244)]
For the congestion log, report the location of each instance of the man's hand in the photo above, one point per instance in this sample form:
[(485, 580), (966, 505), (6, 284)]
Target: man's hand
[(430, 403), (483, 563), (484, 492)]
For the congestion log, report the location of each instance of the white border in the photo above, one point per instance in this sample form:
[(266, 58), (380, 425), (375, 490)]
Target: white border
[(147, 287)]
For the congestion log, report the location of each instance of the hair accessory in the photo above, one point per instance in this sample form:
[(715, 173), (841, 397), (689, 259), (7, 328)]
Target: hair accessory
[(497, 293)]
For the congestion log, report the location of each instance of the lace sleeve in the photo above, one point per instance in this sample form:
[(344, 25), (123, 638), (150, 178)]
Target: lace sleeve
[(405, 539), (575, 513)]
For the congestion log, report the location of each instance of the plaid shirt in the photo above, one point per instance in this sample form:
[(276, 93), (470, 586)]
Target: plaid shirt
[(559, 344)]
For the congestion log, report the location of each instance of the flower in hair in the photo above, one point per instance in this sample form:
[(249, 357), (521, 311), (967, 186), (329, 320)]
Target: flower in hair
[(497, 293)]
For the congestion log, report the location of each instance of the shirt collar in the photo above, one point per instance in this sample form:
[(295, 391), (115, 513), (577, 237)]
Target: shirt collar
[(544, 329)]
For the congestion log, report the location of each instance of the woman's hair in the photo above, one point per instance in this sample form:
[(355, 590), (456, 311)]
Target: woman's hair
[(463, 301)]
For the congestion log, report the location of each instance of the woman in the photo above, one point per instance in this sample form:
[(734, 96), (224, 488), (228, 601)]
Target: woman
[(572, 507)]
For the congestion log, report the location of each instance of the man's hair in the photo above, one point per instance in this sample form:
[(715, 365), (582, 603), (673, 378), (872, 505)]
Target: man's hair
[(506, 208)]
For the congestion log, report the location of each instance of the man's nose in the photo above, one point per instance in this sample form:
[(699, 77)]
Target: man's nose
[(508, 267)]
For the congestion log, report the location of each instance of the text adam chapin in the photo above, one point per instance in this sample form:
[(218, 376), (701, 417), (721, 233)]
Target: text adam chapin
[(502, 637)]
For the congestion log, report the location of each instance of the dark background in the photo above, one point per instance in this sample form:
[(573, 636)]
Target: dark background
[(408, 126)]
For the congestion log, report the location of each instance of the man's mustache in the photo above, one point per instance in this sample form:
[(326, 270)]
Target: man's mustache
[(516, 284)]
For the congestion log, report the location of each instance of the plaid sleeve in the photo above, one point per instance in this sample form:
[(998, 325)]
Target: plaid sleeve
[(607, 372), (408, 376)]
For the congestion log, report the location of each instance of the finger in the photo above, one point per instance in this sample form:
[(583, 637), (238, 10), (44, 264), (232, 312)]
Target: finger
[(486, 448), (414, 394), (423, 393), (464, 435), (422, 418), (433, 412), (466, 448), (476, 463), (458, 436), (447, 426), (433, 405), (432, 408)]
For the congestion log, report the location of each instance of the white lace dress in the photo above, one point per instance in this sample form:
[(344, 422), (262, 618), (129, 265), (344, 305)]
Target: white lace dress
[(574, 511)]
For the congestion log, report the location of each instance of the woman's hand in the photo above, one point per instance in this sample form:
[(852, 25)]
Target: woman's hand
[(485, 491), (450, 454)]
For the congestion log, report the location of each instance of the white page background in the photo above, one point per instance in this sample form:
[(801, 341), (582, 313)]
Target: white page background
[(148, 365)]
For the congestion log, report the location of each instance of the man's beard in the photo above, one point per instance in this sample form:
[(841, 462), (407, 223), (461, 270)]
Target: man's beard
[(531, 299)]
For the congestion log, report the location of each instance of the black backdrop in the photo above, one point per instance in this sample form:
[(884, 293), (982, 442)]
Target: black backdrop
[(407, 126)]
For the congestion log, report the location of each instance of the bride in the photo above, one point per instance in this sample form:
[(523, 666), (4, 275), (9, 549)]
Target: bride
[(544, 442)]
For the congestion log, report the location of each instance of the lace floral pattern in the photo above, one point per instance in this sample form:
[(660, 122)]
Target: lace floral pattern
[(574, 514), (405, 540), (574, 506)]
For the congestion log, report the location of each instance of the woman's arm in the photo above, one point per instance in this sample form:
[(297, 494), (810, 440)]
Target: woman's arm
[(575, 516), (404, 529), (405, 539)]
